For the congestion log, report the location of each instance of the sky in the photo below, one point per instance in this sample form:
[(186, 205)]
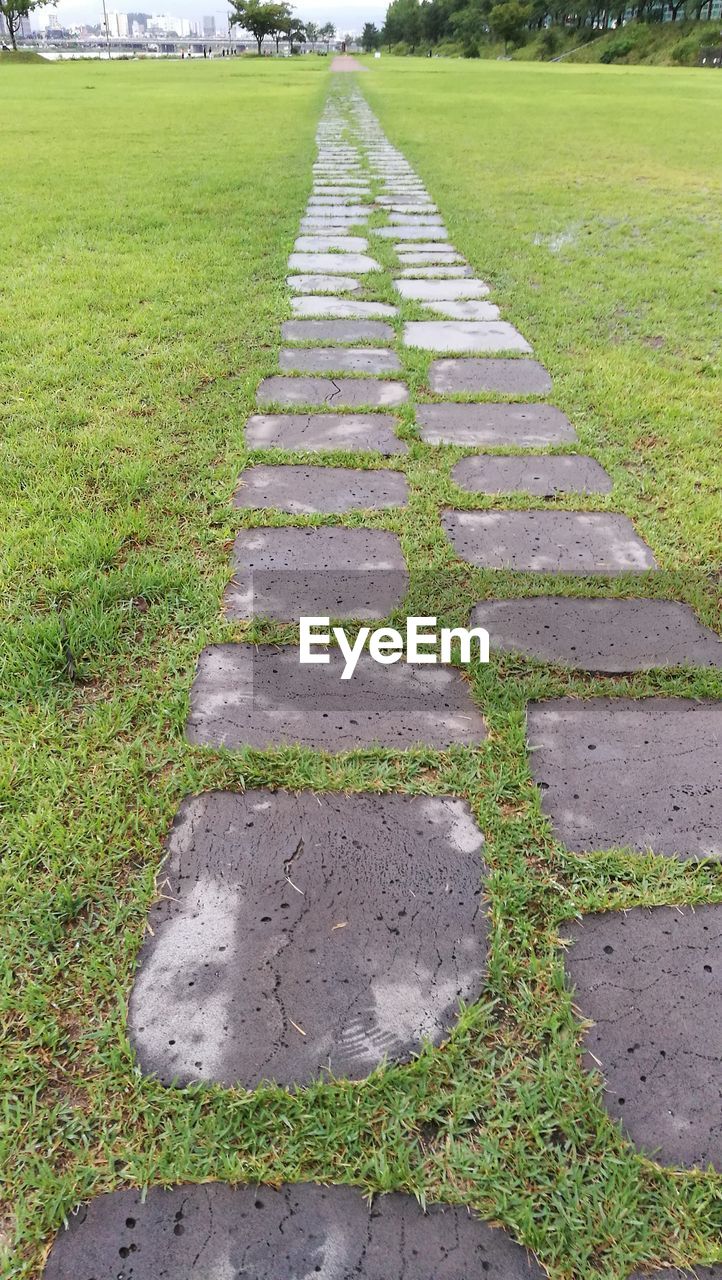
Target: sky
[(346, 15)]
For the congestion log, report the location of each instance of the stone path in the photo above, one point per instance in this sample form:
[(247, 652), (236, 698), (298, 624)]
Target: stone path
[(299, 935)]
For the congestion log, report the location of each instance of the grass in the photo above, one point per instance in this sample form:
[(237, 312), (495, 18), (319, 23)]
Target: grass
[(144, 277)]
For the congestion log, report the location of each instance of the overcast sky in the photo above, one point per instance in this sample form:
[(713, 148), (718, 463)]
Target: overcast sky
[(347, 15)]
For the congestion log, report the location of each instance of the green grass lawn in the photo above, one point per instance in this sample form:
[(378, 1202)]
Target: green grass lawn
[(141, 294)]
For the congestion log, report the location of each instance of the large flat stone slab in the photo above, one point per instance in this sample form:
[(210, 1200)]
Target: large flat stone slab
[(613, 636), (651, 981), (305, 490), (304, 1232), (645, 774), (432, 290), (263, 697), (372, 432), (508, 377), (465, 310), (323, 284), (412, 233), (337, 393), (438, 256), (524, 425), (374, 360), (324, 244), (548, 541), (463, 335), (432, 244), (542, 476), (336, 331), (340, 308), (291, 573), (436, 273), (329, 263), (354, 918)]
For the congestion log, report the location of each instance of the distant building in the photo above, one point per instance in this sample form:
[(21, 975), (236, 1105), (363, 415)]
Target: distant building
[(117, 24), (209, 28), (138, 22)]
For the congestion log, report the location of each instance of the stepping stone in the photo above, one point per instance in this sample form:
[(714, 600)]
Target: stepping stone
[(329, 226), (542, 476), (470, 310), (306, 490), (412, 233), (548, 541), (645, 774), (615, 636), (329, 263), (340, 308), (328, 208), (432, 290), (460, 335), (426, 259), (314, 432), (211, 1231), (322, 244), (508, 377), (415, 207), (337, 393), (436, 273), (429, 245), (262, 696), (414, 219), (323, 284), (336, 331), (650, 981), (524, 425), (340, 360), (340, 573)]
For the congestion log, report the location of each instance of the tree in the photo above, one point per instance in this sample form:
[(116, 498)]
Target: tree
[(327, 33), (403, 22), (508, 21), (295, 32), (370, 38), (13, 11), (312, 33), (261, 19), (470, 26)]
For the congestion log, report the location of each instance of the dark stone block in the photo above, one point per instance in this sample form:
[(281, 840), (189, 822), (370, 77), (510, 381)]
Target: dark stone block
[(524, 425), (303, 490), (543, 477), (316, 432), (373, 360), (471, 375), (337, 393), (336, 331), (548, 541)]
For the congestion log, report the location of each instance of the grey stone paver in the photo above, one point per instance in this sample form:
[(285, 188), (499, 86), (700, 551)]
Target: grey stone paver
[(651, 981), (542, 476), (524, 425), (425, 232), (336, 331), (645, 774), (263, 697), (420, 290), (319, 431), (431, 244), (308, 490), (465, 310), (290, 573), (270, 876), (212, 1231), (463, 335), (436, 273), (328, 263), (337, 393), (340, 308), (414, 220), (325, 244), (373, 360), (440, 256), (507, 377), (548, 541), (323, 284), (600, 635)]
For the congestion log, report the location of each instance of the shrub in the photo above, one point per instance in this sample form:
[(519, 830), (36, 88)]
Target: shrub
[(618, 50), (549, 42)]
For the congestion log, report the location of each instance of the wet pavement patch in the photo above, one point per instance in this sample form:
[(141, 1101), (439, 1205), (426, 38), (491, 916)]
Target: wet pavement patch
[(462, 335), (548, 541), (373, 360), (613, 636), (336, 331), (644, 774), (508, 377), (305, 1231), (316, 432), (287, 573), (542, 476), (264, 696), (651, 981), (337, 393), (302, 936), (524, 425), (307, 490)]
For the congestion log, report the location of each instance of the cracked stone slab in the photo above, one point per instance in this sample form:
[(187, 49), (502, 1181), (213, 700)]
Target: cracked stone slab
[(468, 310), (374, 360), (360, 432), (340, 308), (323, 244), (308, 490), (323, 284), (541, 476), (212, 1231), (263, 696), (328, 263), (548, 541), (641, 774), (508, 377), (616, 636), (650, 981), (251, 945), (336, 331), (335, 392), (290, 573), (524, 425), (463, 335), (440, 290)]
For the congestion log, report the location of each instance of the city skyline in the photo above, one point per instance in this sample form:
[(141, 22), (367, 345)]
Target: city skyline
[(346, 15)]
